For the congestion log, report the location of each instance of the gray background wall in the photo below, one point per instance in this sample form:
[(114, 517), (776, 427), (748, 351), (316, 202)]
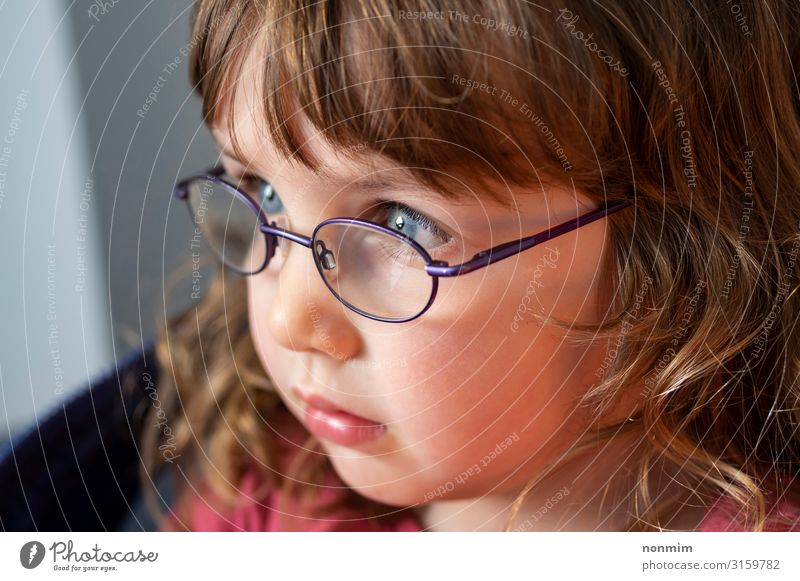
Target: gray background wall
[(87, 224)]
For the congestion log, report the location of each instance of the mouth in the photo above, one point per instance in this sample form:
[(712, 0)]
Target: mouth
[(326, 420)]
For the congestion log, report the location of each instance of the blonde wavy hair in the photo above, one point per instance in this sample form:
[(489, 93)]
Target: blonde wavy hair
[(691, 110)]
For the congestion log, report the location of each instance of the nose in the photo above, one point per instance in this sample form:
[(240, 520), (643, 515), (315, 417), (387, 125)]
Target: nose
[(304, 315)]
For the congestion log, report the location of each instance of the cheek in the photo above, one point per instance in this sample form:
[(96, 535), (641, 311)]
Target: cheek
[(255, 304), (474, 390), (259, 299), (498, 402), (487, 390)]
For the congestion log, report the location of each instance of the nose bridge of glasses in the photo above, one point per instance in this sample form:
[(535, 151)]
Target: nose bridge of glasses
[(281, 232)]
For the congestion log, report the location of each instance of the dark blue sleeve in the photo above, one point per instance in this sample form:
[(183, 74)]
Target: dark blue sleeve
[(77, 470)]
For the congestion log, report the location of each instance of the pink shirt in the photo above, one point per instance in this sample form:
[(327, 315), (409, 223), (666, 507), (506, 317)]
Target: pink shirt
[(722, 517), (266, 516), (269, 515), (274, 513)]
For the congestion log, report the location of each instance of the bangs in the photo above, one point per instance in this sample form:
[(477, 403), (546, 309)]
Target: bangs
[(373, 82)]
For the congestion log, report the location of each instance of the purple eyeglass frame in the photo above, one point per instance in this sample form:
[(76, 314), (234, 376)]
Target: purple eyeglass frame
[(435, 268)]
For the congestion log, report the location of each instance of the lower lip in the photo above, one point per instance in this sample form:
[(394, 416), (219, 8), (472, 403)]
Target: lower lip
[(341, 427)]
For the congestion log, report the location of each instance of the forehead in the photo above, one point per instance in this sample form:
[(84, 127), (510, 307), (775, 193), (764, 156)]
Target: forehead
[(333, 165), (243, 123), (248, 129)]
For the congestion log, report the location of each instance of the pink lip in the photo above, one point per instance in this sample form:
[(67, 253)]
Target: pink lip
[(325, 420)]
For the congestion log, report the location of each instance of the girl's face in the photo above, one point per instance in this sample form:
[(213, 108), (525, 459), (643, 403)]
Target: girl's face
[(474, 395)]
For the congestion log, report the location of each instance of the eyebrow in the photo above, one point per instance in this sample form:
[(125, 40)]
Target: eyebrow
[(230, 153), (370, 183), (373, 183)]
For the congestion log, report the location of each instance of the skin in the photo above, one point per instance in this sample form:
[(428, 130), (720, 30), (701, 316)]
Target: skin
[(454, 383)]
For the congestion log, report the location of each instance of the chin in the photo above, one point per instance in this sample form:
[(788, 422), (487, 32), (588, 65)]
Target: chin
[(378, 485)]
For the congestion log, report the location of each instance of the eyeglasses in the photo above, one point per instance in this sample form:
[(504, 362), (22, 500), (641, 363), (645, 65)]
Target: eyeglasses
[(380, 273)]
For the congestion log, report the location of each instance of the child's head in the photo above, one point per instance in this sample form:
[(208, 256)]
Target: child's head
[(670, 324)]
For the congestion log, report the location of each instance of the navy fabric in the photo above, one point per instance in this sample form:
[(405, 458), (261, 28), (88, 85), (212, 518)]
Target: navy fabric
[(77, 470)]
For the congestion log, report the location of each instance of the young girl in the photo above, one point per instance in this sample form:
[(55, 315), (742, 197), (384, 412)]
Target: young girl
[(490, 266)]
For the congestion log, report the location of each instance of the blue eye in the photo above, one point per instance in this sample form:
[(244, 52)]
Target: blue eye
[(268, 198), (417, 226), (260, 191)]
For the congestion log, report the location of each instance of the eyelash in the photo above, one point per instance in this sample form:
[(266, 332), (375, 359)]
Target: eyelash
[(430, 224), (384, 204), (250, 179)]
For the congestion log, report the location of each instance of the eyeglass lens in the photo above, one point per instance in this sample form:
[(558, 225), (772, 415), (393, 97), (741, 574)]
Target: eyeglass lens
[(366, 268)]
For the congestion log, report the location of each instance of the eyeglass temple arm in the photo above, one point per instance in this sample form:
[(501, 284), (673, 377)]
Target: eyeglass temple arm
[(507, 249)]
